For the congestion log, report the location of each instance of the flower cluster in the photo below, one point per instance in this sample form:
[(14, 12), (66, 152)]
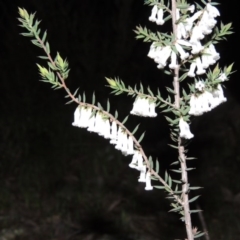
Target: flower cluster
[(206, 100), (144, 107), (137, 163), (99, 123), (190, 32)]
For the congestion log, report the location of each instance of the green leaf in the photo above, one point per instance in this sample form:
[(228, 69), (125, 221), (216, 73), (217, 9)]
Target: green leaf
[(93, 98), (176, 171), (75, 92), (108, 106), (159, 187), (99, 105), (166, 177), (44, 36), (47, 48), (125, 119), (194, 199), (199, 235), (195, 188), (116, 114), (135, 129), (43, 57), (84, 97), (141, 138), (157, 166), (169, 181)]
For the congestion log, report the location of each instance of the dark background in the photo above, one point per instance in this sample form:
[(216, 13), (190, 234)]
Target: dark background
[(61, 182)]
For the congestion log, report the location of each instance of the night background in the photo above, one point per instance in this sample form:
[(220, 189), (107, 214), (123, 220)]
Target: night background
[(59, 182)]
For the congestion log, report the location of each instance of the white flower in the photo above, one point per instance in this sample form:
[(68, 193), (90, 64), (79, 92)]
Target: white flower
[(148, 181), (130, 149), (173, 64), (163, 55), (213, 11), (81, 117), (91, 124), (143, 107), (152, 52), (134, 161), (160, 20), (192, 69), (196, 34), (213, 52), (196, 47), (222, 77), (200, 86), (195, 106), (200, 69), (183, 54), (121, 137), (191, 8), (218, 96), (181, 31), (153, 18), (185, 129), (142, 177), (136, 106), (113, 133), (107, 129), (77, 115), (152, 112)]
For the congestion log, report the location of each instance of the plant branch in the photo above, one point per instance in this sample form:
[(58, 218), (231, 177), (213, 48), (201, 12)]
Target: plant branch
[(112, 118), (181, 150)]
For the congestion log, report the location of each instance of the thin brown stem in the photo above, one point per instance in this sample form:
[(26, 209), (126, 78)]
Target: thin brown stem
[(181, 150)]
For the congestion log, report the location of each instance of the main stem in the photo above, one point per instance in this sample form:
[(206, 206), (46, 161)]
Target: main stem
[(176, 85)]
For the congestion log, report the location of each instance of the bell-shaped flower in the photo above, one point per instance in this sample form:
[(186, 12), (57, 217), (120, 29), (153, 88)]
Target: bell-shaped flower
[(200, 69), (188, 23), (113, 135), (191, 72), (183, 54), (213, 11), (173, 64), (91, 124), (153, 51), (130, 146), (142, 177), (191, 8), (77, 115), (196, 47), (134, 161), (160, 20), (218, 96), (148, 181), (152, 106), (120, 139), (181, 31), (140, 162), (214, 53), (184, 129), (153, 18), (85, 114), (195, 107), (136, 106), (163, 55), (197, 34), (107, 129)]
